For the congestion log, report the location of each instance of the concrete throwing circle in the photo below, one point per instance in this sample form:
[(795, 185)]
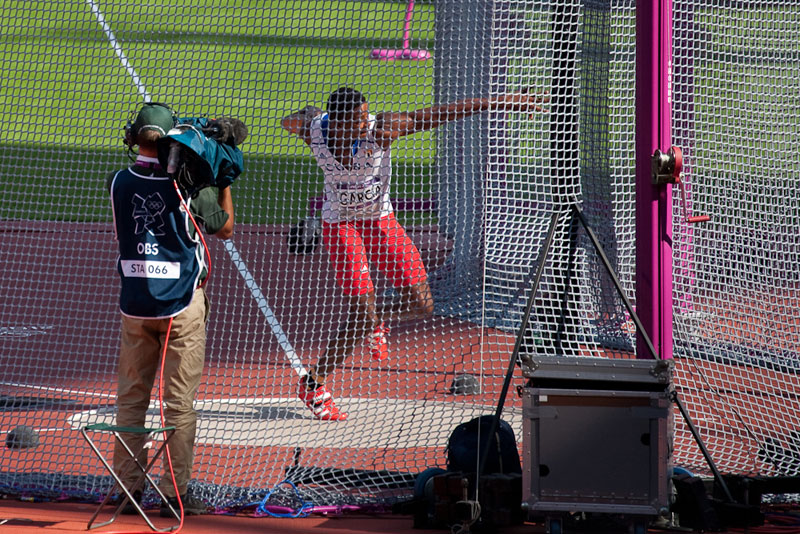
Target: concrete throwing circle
[(286, 422)]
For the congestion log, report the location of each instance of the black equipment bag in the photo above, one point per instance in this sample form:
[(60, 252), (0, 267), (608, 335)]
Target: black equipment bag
[(462, 447)]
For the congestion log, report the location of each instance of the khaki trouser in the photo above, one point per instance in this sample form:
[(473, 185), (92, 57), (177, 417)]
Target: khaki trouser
[(139, 359)]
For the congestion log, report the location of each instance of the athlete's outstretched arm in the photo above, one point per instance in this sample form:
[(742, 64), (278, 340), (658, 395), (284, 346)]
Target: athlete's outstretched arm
[(299, 121), (391, 126)]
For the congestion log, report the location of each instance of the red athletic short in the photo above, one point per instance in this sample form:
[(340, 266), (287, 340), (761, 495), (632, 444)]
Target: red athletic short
[(352, 245)]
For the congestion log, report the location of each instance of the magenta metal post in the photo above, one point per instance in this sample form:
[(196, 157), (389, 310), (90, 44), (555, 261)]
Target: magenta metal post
[(653, 206), (390, 54)]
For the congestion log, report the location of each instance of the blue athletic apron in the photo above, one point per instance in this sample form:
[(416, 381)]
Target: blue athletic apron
[(159, 262)]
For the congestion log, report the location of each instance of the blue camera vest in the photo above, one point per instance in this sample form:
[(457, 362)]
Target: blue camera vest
[(160, 263)]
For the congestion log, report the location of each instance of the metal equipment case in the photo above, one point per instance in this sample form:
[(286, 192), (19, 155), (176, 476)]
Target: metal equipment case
[(597, 438)]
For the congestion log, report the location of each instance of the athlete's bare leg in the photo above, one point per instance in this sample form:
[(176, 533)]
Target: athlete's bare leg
[(414, 302), (362, 319)]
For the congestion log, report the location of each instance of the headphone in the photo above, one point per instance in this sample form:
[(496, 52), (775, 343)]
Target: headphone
[(130, 127)]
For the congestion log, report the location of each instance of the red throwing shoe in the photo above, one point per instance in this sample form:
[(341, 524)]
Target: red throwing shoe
[(320, 402)]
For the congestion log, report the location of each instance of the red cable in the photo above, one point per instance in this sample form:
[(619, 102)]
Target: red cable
[(166, 344), (197, 228)]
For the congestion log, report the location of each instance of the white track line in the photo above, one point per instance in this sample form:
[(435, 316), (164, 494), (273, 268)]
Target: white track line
[(280, 335), (59, 390), (118, 50)]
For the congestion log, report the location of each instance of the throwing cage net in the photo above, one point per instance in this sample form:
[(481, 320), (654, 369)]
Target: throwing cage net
[(736, 284), (474, 195)]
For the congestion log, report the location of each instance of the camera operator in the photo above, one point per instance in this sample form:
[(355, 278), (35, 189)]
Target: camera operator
[(162, 266)]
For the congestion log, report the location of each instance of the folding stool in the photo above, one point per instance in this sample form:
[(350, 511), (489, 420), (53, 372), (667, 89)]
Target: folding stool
[(144, 472)]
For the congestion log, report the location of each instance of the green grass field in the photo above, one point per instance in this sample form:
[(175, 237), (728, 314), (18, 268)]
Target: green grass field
[(75, 72)]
